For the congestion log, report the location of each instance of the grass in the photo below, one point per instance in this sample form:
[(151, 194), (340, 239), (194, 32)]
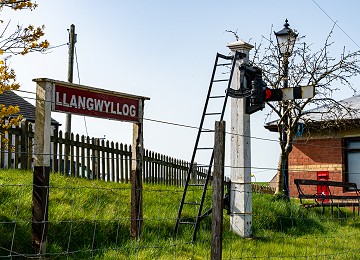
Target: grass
[(91, 219)]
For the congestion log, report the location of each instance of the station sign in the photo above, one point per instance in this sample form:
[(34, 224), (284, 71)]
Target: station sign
[(87, 101)]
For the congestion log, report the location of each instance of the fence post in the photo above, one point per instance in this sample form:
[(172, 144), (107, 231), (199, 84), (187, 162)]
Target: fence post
[(194, 173), (218, 190), (24, 145), (136, 178)]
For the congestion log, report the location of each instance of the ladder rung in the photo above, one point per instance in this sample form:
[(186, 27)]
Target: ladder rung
[(207, 131), (205, 148), (212, 114), (224, 64), (186, 222), (217, 97), (194, 184), (192, 203), (225, 57), (220, 80)]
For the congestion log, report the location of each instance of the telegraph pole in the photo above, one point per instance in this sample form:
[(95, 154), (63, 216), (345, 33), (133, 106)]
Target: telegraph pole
[(72, 41)]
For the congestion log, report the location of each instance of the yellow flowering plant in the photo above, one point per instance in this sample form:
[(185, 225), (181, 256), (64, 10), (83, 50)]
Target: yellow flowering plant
[(21, 41)]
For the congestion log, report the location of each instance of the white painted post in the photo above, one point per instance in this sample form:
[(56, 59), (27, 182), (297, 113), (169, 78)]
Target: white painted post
[(42, 131), (41, 165), (240, 154)]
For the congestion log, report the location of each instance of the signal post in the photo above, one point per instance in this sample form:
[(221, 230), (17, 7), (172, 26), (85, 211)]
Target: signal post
[(249, 94), (240, 153)]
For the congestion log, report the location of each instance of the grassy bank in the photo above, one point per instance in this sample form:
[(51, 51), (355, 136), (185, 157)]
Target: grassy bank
[(91, 219)]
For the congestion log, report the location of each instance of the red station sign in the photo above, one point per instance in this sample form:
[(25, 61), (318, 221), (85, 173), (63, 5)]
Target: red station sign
[(95, 102)]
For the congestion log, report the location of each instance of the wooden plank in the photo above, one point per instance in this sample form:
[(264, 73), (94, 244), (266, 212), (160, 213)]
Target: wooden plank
[(67, 154), (2, 152), (94, 158), (103, 160), (9, 151), (77, 156), (30, 146), (165, 170), (325, 183), (17, 151), (84, 167), (127, 162), (90, 168), (71, 156), (97, 158), (122, 170), (117, 162), (146, 167), (152, 167), (54, 167), (60, 161), (24, 145), (112, 161), (108, 173), (156, 168)]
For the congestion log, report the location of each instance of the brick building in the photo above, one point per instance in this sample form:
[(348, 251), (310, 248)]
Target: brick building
[(328, 147)]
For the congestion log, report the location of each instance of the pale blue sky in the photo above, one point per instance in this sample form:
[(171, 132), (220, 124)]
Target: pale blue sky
[(165, 50)]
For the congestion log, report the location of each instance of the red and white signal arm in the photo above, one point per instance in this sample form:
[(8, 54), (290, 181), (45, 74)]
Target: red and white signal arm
[(95, 102)]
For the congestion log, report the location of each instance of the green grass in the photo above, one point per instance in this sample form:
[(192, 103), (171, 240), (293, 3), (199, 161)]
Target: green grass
[(91, 219)]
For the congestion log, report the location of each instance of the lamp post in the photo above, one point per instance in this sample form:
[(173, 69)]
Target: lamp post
[(285, 40)]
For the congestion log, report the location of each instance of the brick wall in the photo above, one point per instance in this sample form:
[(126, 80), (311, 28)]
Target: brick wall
[(311, 156)]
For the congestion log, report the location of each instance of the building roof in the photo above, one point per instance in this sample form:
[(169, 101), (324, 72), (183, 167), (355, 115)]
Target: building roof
[(27, 110), (344, 110)]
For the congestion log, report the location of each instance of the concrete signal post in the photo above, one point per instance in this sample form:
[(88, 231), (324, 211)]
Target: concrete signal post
[(240, 154)]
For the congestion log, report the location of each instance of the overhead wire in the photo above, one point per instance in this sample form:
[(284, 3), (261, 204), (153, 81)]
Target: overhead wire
[(78, 74), (335, 22), (57, 46), (229, 133)]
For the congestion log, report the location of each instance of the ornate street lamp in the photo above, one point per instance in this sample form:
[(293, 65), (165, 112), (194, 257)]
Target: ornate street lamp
[(286, 40)]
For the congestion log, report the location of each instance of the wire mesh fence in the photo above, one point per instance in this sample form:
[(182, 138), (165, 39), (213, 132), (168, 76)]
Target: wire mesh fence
[(91, 220)]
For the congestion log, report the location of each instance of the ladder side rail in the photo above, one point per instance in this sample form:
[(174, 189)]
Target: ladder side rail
[(196, 145), (198, 218), (236, 55), (212, 155)]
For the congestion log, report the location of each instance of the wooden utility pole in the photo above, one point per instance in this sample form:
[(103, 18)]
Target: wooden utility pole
[(218, 191), (72, 41)]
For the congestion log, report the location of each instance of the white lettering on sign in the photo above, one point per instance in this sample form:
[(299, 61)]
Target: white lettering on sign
[(88, 103)]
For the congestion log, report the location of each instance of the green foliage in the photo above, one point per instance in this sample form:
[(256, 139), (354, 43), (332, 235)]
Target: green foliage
[(91, 219)]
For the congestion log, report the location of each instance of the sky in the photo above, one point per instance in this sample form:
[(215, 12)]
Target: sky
[(165, 50)]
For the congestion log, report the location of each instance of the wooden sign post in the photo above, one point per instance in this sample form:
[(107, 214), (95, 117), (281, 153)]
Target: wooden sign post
[(136, 177), (41, 166), (53, 95)]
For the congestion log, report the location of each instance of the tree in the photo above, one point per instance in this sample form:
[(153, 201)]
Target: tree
[(306, 68), (20, 41)]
